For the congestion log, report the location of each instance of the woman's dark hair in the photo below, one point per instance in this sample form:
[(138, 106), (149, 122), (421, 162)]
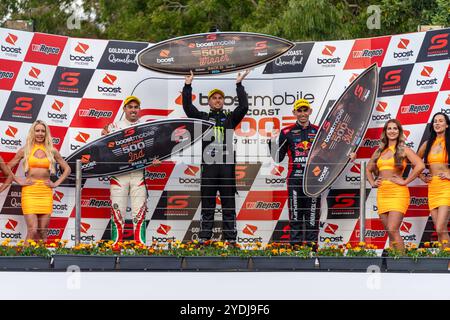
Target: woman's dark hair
[(433, 136)]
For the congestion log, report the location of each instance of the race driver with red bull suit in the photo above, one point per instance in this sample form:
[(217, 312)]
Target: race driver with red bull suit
[(296, 141), (128, 184)]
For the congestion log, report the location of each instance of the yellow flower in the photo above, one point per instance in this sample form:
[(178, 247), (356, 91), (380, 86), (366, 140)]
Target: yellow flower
[(361, 244), (444, 241), (52, 245), (348, 246), (190, 249), (327, 240)]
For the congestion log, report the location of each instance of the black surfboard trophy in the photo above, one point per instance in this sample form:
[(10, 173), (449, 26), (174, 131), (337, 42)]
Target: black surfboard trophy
[(341, 133), (212, 53)]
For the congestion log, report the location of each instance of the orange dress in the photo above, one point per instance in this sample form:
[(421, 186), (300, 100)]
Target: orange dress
[(391, 196), (37, 198), (438, 189)]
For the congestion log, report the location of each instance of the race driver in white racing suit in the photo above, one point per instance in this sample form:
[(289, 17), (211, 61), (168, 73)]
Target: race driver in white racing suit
[(128, 184)]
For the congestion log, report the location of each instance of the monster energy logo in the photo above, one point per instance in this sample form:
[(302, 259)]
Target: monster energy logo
[(219, 133)]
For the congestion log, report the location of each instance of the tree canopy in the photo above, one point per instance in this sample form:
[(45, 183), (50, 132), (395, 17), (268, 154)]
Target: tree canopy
[(156, 20)]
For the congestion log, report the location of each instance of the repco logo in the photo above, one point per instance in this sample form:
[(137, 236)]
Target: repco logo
[(94, 113), (11, 132), (11, 39), (368, 53), (57, 105), (109, 79), (42, 48), (6, 75), (371, 143), (81, 48), (155, 175), (95, 203), (415, 109), (418, 202)]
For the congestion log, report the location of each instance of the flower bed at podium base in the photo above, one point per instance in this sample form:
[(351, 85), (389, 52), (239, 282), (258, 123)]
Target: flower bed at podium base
[(19, 263), (220, 256), (213, 263)]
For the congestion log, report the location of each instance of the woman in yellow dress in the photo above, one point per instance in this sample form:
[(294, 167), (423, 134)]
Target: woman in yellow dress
[(387, 164), (436, 155), (8, 174), (40, 158)]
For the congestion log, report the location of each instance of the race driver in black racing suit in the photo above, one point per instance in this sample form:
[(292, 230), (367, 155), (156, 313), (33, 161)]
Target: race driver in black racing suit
[(218, 160), (296, 140)]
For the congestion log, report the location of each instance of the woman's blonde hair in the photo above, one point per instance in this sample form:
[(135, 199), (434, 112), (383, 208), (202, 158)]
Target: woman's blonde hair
[(399, 154), (48, 145)]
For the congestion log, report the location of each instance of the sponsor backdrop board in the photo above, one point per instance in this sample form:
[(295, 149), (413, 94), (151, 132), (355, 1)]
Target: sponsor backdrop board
[(77, 87)]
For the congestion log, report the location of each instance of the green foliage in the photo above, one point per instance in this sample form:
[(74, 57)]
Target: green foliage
[(297, 20)]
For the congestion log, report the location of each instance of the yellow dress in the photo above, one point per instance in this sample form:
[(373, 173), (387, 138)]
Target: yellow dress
[(391, 196), (438, 189), (37, 198)]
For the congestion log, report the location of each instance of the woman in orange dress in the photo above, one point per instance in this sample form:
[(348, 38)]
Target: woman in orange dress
[(388, 164), (436, 155), (40, 158)]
